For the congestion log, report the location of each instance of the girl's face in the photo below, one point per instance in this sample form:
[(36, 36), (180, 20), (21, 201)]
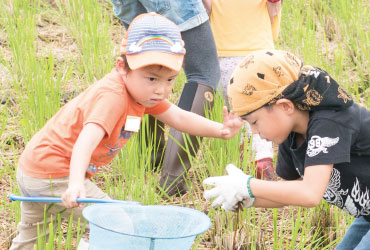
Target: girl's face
[(272, 123), (150, 85)]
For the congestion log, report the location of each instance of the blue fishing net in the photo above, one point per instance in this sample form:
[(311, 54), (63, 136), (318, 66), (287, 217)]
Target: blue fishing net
[(135, 227)]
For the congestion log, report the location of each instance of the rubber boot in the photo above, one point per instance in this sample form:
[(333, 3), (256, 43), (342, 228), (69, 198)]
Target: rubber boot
[(262, 153), (265, 169), (156, 137), (195, 98)]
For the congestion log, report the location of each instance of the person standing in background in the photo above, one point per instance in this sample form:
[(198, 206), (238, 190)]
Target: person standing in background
[(239, 28), (202, 72)]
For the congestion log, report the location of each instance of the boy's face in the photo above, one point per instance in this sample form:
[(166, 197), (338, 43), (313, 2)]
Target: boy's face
[(151, 84), (271, 123)]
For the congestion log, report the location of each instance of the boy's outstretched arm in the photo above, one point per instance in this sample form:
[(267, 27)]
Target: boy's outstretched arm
[(194, 124), (88, 139)]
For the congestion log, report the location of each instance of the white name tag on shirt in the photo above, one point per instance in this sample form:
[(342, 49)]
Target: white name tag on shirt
[(132, 123)]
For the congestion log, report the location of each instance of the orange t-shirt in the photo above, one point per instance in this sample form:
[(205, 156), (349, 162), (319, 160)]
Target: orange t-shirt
[(106, 103)]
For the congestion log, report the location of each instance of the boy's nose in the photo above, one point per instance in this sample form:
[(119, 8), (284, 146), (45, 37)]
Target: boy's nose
[(159, 89)]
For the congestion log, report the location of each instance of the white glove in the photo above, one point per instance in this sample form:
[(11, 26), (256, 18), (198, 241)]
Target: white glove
[(230, 189), (248, 202)]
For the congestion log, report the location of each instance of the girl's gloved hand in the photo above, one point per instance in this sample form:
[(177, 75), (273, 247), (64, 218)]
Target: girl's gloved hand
[(230, 189)]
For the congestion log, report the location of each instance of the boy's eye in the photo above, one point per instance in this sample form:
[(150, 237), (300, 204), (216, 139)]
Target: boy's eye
[(152, 79), (171, 79)]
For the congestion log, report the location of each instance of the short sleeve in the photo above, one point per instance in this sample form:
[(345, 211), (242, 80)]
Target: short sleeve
[(160, 108), (285, 165), (328, 142), (105, 110)]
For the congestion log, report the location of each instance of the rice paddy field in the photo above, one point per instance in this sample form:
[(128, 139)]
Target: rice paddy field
[(51, 50)]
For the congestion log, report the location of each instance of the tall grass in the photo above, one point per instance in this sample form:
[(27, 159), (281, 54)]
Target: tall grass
[(34, 80), (334, 35), (89, 23), (331, 34)]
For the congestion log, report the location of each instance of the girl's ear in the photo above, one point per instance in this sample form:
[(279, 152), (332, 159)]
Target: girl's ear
[(286, 105), (121, 67)]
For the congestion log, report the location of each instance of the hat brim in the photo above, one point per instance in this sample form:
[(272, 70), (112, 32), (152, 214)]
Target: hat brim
[(171, 61)]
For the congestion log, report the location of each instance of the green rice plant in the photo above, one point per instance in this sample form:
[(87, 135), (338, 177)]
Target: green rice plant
[(131, 176), (21, 31), (7, 165), (275, 222), (60, 233), (54, 228), (40, 96), (149, 141), (10, 211), (68, 241), (35, 82), (90, 25), (177, 88), (337, 23), (3, 118), (227, 150), (42, 229), (50, 243)]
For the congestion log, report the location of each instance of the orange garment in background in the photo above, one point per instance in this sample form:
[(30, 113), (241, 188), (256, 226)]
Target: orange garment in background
[(106, 103), (242, 26)]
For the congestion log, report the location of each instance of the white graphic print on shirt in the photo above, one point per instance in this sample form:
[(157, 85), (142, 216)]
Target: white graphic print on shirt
[(334, 196), (359, 197), (332, 193), (317, 144)]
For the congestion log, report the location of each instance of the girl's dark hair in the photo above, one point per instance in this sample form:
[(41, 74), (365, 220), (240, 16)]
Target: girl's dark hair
[(127, 67), (267, 106)]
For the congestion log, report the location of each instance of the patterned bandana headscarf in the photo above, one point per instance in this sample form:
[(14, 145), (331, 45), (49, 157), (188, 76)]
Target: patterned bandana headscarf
[(265, 76)]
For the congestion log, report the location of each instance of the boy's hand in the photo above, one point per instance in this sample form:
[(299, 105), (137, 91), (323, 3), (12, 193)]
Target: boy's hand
[(273, 9), (71, 194), (232, 124), (229, 189), (208, 6)]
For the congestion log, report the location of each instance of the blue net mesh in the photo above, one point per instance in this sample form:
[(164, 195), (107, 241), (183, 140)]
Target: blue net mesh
[(135, 227)]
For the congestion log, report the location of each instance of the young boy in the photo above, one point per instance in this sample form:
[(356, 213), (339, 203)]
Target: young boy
[(324, 139), (86, 134), (202, 75)]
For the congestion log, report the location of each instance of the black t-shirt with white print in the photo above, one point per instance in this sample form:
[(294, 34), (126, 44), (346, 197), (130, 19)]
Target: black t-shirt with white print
[(341, 138)]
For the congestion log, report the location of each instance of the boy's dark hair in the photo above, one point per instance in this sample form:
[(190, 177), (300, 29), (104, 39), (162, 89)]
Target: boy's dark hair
[(127, 67), (125, 63)]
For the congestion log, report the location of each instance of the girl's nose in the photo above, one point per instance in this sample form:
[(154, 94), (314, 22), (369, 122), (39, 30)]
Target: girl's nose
[(254, 130)]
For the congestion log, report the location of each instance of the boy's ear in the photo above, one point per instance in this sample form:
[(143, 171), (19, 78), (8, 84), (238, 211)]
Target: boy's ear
[(286, 105), (121, 66)]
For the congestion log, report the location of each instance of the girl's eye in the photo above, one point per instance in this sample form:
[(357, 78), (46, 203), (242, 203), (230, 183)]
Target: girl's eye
[(152, 79), (254, 123)]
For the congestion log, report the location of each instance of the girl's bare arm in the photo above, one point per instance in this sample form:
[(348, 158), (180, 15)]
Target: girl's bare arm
[(307, 192)]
